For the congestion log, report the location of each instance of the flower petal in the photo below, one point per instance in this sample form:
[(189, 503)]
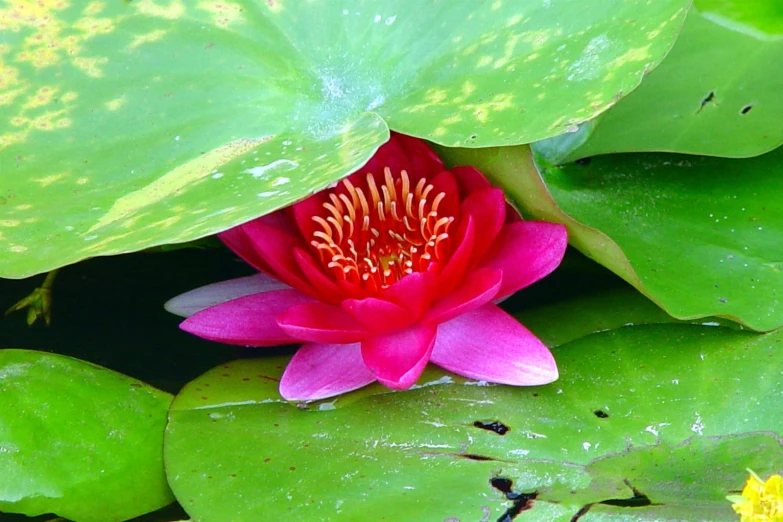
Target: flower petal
[(454, 271), (321, 323), (488, 209), (526, 252), (470, 180), (476, 290), (444, 183), (378, 315), (318, 371), (414, 292), (398, 359), (236, 239), (247, 321), (505, 352), (199, 299), (277, 249)]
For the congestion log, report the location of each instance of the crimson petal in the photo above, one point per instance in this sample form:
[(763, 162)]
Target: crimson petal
[(247, 321), (506, 352), (318, 371)]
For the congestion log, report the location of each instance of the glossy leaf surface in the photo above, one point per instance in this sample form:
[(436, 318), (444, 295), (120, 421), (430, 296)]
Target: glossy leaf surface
[(131, 124), (697, 235), (78, 440), (715, 94), (675, 435)]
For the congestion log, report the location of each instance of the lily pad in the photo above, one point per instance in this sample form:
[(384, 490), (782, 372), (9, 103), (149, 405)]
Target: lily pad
[(715, 94), (647, 422), (78, 440), (138, 123), (697, 235)]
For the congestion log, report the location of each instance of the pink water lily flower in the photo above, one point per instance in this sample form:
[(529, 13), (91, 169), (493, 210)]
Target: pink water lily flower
[(397, 265)]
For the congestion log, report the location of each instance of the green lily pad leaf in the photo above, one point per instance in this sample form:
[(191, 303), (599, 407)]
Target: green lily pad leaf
[(664, 417), (715, 93), (79, 440), (133, 124), (697, 235)]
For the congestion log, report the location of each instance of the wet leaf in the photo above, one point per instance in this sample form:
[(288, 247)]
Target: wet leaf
[(78, 440), (697, 235), (138, 123), (715, 93), (663, 417)]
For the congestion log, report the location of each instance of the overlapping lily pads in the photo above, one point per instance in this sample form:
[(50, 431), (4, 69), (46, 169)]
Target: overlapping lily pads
[(78, 440), (715, 94), (698, 235), (132, 124), (616, 438)]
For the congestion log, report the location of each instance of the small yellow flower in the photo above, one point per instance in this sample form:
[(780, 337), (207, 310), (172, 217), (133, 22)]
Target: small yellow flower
[(760, 501)]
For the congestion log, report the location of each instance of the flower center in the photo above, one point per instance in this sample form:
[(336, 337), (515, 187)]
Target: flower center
[(374, 236)]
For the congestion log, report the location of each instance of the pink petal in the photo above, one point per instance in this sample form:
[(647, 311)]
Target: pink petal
[(526, 252), (414, 292), (455, 268), (199, 299), (476, 290), (318, 371), (490, 345), (321, 323), (470, 180), (488, 209), (247, 321), (377, 315), (398, 359)]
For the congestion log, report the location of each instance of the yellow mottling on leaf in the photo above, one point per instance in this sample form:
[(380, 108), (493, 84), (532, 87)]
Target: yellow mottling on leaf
[(9, 222), (82, 181), (169, 10), (440, 131), (514, 20), (176, 180), (637, 54), (10, 138), (18, 249), (116, 103), (93, 8), (224, 13), (496, 5), (23, 207), (166, 223), (484, 61), (68, 97), (30, 221), (531, 57), (48, 180), (152, 36), (8, 97), (468, 88), (28, 13), (94, 26), (43, 96), (451, 120), (90, 66)]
